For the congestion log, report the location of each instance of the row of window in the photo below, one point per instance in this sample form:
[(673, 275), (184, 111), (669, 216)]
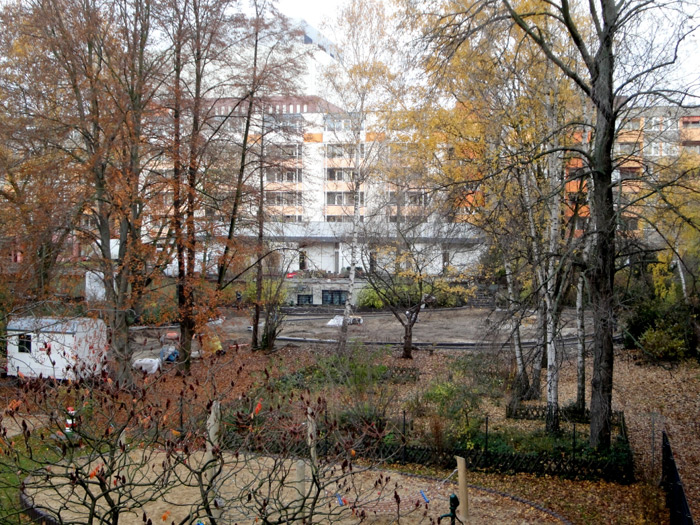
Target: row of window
[(284, 198), (283, 175), (342, 218), (661, 123), (353, 123), (410, 198), (340, 175), (295, 174), (335, 297), (240, 109), (333, 151), (285, 151), (343, 198), (655, 149), (344, 151)]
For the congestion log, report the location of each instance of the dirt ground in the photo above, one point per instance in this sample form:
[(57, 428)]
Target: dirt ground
[(421, 500), (450, 326)]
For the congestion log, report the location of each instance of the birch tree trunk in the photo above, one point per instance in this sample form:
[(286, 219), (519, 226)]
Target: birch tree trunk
[(522, 384)]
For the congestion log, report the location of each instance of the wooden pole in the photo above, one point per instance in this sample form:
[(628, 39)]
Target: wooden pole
[(301, 482), (214, 435), (463, 509)]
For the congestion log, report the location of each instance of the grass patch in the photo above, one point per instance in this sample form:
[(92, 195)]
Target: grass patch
[(20, 457)]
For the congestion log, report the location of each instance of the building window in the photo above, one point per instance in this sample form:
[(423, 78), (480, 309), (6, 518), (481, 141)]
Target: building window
[(343, 198), (417, 198), (302, 260), (335, 297), (629, 224), (669, 149), (693, 148), (654, 123), (445, 259), (305, 299), (286, 218), (344, 123), (343, 151), (626, 148), (283, 175), (24, 344), (284, 198), (342, 218), (628, 174), (334, 198), (340, 175), (285, 151), (284, 123)]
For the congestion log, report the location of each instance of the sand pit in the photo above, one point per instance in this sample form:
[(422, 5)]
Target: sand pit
[(167, 493)]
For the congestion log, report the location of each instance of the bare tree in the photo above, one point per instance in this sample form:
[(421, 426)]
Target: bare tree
[(269, 62)]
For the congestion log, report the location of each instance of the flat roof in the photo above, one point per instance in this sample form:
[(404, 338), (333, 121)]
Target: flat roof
[(53, 325)]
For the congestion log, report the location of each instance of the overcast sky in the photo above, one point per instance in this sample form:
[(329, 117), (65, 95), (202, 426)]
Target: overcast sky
[(315, 12), (318, 12)]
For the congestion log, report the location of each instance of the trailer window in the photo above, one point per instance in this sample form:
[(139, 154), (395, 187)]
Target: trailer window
[(24, 344)]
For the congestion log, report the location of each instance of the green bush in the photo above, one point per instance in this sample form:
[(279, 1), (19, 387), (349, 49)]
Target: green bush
[(641, 318), (408, 295), (159, 311), (369, 298), (661, 328), (664, 344)]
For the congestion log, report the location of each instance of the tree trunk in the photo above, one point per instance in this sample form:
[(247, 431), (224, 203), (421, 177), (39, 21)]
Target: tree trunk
[(603, 246), (539, 356), (521, 386), (581, 345), (553, 277), (256, 340), (120, 348), (407, 341), (225, 260), (349, 305), (552, 373)]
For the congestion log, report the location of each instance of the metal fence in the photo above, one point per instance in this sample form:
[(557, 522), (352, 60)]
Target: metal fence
[(394, 442), (673, 486)]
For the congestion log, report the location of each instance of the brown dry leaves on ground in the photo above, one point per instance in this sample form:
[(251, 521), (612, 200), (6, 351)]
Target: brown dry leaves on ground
[(654, 398)]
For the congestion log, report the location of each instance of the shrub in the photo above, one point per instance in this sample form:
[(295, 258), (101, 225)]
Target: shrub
[(369, 298), (662, 328), (664, 344), (363, 418)]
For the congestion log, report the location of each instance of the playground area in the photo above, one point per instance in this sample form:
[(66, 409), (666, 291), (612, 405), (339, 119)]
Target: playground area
[(367, 495)]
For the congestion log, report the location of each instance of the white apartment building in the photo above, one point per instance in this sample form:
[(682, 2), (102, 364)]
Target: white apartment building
[(311, 157)]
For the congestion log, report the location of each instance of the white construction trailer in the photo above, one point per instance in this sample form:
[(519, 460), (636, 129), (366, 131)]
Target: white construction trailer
[(56, 347)]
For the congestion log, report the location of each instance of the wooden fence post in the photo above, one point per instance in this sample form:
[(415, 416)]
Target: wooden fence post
[(301, 482), (463, 509)]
